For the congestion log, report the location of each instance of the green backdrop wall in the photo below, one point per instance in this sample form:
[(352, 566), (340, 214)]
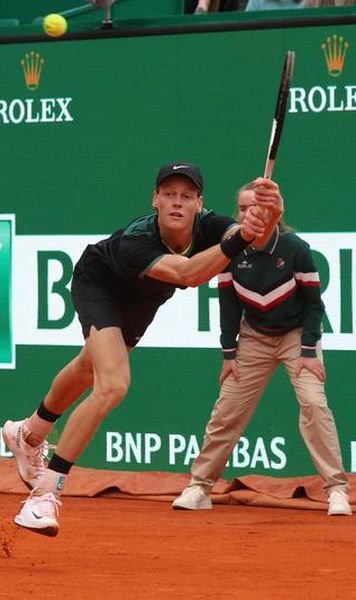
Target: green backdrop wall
[(84, 126)]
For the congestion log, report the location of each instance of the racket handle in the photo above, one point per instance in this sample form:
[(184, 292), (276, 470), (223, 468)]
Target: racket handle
[(270, 158), (269, 168)]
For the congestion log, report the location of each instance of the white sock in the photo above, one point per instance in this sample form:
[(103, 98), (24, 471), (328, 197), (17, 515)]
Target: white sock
[(52, 481)]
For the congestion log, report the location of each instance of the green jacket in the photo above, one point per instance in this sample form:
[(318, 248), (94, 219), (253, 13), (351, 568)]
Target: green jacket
[(276, 289)]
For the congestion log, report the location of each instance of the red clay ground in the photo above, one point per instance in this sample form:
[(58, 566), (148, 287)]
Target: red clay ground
[(133, 549)]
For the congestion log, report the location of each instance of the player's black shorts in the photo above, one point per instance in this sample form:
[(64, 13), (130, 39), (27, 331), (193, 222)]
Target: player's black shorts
[(101, 305)]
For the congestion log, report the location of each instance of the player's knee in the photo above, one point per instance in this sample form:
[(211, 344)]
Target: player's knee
[(110, 393)]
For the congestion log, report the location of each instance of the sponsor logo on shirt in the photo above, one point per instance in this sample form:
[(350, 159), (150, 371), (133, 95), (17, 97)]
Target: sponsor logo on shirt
[(244, 265), (280, 263)]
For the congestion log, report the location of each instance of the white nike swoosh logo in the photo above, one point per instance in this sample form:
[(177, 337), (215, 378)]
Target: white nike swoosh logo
[(180, 167)]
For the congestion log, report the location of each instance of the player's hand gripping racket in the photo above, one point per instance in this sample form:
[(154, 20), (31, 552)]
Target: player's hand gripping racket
[(281, 107)]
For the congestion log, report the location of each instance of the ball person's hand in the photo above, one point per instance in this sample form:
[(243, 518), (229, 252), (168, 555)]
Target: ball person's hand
[(313, 365), (229, 367)]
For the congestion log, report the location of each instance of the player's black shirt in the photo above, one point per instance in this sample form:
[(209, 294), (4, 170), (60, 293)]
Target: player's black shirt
[(121, 261)]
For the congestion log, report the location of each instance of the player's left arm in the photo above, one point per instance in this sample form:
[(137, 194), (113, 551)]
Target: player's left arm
[(204, 265)]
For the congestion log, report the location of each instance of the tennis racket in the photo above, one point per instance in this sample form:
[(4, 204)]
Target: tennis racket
[(281, 107)]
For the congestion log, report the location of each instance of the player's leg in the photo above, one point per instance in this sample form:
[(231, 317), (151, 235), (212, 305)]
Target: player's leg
[(317, 426), (230, 416), (27, 438), (109, 357), (95, 305)]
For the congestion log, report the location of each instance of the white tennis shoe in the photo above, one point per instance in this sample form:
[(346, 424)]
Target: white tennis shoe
[(30, 459), (39, 513), (194, 497), (339, 503)]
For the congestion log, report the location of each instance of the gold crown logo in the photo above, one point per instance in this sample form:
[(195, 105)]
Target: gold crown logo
[(32, 65), (334, 50)]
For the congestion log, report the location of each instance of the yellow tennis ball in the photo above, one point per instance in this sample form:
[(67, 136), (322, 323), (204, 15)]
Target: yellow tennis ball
[(55, 25)]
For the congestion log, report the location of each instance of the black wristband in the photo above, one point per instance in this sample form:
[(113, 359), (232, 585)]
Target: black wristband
[(229, 354), (234, 244)]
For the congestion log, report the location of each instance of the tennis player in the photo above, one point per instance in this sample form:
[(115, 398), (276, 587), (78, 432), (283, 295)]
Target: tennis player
[(118, 285)]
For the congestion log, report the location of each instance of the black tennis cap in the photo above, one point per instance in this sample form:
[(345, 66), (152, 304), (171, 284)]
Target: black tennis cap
[(181, 168)]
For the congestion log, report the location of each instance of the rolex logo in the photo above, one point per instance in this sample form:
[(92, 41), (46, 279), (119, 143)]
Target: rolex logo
[(32, 68), (334, 49)]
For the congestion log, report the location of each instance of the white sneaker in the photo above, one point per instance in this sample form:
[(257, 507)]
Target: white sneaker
[(30, 459), (194, 497), (39, 513), (339, 503)]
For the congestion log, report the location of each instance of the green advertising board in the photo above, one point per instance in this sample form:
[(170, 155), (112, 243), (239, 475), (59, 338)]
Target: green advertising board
[(84, 127)]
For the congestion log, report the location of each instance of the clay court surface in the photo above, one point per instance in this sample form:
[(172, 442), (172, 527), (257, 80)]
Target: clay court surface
[(129, 548)]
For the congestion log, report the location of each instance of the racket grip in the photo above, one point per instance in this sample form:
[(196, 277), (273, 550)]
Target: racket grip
[(269, 168)]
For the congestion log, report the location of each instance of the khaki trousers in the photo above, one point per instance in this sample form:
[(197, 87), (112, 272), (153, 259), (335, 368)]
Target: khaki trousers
[(258, 357)]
